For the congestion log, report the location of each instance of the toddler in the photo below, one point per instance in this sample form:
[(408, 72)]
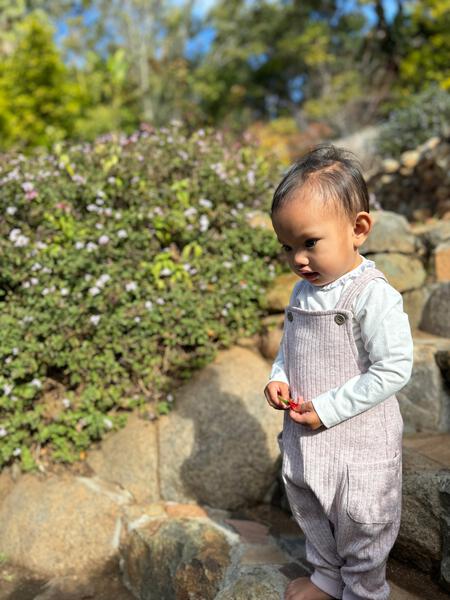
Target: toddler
[(346, 350)]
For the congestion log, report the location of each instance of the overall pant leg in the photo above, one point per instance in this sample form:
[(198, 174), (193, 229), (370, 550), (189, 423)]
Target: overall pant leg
[(366, 529), (321, 548)]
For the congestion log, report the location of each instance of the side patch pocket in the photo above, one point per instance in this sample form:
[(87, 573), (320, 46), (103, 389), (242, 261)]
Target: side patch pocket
[(374, 490)]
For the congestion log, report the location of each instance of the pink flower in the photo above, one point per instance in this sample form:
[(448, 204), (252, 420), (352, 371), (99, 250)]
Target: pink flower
[(31, 195)]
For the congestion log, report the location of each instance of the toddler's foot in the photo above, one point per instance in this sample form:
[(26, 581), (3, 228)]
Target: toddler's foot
[(304, 589)]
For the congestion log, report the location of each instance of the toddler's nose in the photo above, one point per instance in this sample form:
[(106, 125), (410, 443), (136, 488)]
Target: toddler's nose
[(301, 260)]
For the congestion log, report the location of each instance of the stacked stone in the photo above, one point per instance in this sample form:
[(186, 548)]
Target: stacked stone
[(418, 184)]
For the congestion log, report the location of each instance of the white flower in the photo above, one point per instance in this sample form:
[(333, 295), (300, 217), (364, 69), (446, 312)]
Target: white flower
[(111, 180), (169, 397), (205, 202), (245, 258), (7, 388), (187, 266), (99, 225), (66, 402), (45, 291), (131, 286), (91, 246), (28, 319), (64, 291), (108, 423), (137, 319), (204, 223), (8, 360), (15, 351), (27, 186), (103, 279), (108, 211), (103, 239), (34, 281), (224, 312), (36, 382), (118, 215), (148, 305), (190, 212), (94, 291), (227, 264), (94, 319), (251, 178), (11, 210), (229, 305), (92, 208), (193, 271), (99, 201), (17, 451), (79, 245), (160, 301), (21, 241), (41, 245), (100, 194), (36, 266), (46, 270), (240, 205), (165, 272), (87, 277), (3, 432), (122, 233)]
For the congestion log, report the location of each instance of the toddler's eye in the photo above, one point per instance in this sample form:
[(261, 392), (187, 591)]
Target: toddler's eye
[(311, 243)]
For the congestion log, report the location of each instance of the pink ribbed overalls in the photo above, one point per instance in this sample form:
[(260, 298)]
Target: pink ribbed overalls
[(343, 483)]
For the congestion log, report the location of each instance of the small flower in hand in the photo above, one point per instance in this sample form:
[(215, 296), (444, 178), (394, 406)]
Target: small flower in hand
[(304, 413)]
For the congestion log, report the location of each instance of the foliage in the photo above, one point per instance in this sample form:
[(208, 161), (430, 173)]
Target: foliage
[(281, 138), (119, 63), (426, 114), (37, 100), (124, 265), (427, 58)]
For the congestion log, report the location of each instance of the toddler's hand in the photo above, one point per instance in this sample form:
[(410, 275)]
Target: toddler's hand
[(273, 390), (305, 414)]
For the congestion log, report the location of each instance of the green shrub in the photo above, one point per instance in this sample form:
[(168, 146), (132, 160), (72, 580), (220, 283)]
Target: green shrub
[(426, 114), (124, 266)]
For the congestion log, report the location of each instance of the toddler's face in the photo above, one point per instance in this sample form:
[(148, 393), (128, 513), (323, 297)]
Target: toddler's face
[(320, 245)]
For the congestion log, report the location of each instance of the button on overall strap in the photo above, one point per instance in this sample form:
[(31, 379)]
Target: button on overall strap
[(355, 287)]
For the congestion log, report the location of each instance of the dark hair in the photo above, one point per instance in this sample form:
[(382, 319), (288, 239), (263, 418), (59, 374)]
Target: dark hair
[(334, 172)]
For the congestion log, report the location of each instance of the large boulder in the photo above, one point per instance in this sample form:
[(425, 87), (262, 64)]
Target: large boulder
[(419, 539), (129, 457), (61, 525), (279, 293), (218, 446), (424, 401), (391, 233), (413, 304), (176, 558), (436, 314), (404, 272)]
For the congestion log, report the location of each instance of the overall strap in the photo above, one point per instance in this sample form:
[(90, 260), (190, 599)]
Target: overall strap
[(355, 287)]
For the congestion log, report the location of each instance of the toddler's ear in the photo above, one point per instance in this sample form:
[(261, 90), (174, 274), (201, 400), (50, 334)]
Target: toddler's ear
[(362, 227)]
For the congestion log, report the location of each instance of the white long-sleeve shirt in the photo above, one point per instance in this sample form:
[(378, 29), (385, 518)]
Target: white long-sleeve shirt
[(382, 336)]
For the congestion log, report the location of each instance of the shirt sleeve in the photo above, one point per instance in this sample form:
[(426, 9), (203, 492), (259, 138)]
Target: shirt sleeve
[(386, 334), (278, 372)]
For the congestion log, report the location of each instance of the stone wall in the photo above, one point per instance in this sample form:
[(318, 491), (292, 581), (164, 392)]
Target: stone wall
[(418, 184)]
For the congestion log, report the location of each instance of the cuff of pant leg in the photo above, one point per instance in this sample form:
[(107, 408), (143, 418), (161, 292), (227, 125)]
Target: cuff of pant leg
[(328, 584)]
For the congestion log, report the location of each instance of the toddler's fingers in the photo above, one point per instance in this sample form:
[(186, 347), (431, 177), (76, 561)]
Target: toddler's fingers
[(270, 398)]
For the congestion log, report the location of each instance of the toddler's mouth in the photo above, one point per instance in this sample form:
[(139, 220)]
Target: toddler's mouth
[(309, 275)]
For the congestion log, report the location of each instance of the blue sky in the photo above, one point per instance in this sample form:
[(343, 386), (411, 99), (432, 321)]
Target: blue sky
[(203, 40)]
